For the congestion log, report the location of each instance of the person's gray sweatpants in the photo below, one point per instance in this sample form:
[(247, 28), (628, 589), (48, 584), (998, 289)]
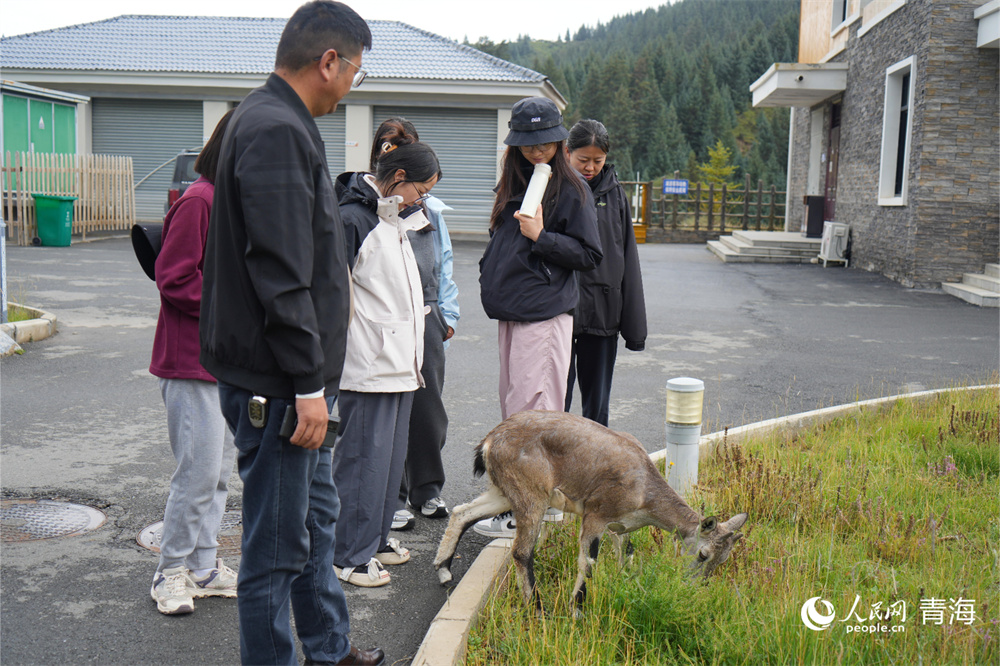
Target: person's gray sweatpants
[(205, 453), (367, 468)]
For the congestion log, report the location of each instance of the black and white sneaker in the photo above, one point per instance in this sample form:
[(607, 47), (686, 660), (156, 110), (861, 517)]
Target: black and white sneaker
[(434, 508), (498, 527), (402, 520)]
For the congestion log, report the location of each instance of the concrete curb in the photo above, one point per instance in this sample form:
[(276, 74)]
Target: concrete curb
[(31, 330), (447, 638), (708, 443)]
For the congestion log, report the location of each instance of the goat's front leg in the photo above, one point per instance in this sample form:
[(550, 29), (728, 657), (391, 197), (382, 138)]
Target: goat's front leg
[(591, 530), (523, 552), (462, 518)]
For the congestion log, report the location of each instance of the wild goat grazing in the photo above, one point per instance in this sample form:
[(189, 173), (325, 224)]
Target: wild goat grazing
[(539, 459)]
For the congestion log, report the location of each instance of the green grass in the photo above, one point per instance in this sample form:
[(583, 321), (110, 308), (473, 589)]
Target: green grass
[(886, 507), (16, 313)]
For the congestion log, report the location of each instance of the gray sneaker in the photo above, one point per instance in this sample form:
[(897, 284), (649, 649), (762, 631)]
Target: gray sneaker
[(498, 527), (171, 593), (220, 582)]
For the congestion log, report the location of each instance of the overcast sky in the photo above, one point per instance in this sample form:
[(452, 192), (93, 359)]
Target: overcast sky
[(497, 19)]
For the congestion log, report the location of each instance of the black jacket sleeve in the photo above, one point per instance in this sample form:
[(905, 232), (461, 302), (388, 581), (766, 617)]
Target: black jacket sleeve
[(571, 240), (633, 324)]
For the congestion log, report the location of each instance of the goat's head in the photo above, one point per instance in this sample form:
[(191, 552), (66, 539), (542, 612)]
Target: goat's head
[(713, 543)]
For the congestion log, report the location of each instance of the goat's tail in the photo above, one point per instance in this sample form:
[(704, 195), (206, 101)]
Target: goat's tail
[(479, 461)]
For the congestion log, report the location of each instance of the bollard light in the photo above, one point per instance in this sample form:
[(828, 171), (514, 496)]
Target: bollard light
[(685, 396)]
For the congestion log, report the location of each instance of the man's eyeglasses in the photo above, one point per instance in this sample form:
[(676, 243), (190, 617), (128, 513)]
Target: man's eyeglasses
[(359, 75)]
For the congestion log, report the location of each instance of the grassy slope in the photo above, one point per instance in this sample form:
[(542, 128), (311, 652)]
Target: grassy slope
[(889, 507)]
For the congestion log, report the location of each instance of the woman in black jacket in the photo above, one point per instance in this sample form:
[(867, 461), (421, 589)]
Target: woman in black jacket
[(611, 299), (528, 271)]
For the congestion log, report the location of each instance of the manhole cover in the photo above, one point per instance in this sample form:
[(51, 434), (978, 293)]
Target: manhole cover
[(30, 520), (230, 535)]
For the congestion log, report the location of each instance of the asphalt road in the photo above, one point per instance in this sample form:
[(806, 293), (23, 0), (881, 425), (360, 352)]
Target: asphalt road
[(83, 420)]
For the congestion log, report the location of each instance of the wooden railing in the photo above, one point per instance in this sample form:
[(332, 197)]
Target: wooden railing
[(102, 185), (707, 210)]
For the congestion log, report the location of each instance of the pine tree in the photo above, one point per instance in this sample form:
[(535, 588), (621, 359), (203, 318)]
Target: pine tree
[(719, 170)]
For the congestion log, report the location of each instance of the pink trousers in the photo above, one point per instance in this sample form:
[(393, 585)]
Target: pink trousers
[(534, 364)]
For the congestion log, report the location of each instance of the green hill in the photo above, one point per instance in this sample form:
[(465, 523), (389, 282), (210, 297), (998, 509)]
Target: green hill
[(671, 82)]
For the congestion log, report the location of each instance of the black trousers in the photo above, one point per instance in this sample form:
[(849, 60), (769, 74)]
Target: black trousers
[(593, 362), (423, 475)]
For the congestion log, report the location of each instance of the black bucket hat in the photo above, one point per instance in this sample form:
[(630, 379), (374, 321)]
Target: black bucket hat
[(533, 121)]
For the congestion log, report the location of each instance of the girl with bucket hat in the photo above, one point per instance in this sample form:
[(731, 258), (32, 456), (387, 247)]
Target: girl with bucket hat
[(528, 272)]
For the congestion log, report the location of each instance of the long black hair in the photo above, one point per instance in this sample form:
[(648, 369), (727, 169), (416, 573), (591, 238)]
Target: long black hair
[(589, 132), (513, 181)]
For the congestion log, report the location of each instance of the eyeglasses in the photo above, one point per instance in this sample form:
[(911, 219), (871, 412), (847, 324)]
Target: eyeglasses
[(536, 148), (359, 75)]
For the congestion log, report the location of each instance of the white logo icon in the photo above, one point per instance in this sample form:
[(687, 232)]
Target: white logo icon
[(812, 618), (536, 120)]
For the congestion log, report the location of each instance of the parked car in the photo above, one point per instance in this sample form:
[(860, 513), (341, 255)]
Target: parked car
[(184, 175)]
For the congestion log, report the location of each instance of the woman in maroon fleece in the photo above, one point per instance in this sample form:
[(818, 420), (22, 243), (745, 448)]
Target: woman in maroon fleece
[(199, 437)]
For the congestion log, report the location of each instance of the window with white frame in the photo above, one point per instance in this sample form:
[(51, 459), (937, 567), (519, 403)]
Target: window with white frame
[(897, 126), (840, 8)]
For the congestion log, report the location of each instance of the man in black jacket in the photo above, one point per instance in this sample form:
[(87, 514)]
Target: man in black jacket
[(275, 309)]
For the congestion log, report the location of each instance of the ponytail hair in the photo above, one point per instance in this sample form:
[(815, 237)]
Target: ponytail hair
[(589, 133), (395, 131), (514, 182)]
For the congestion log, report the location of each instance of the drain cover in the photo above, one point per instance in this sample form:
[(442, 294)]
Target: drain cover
[(230, 535), (30, 520)]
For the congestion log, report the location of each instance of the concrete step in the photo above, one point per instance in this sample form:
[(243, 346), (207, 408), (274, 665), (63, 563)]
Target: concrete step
[(729, 255), (743, 247), (974, 295), (993, 270), (780, 239), (987, 282)]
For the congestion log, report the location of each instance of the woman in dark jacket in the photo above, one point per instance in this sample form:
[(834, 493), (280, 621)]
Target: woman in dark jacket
[(611, 299), (528, 271)]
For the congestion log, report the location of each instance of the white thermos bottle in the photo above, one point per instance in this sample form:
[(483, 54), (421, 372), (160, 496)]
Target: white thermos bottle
[(536, 188)]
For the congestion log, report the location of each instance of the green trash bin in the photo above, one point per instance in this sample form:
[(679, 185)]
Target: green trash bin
[(55, 219)]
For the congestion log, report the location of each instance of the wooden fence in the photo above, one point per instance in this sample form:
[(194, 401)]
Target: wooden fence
[(102, 185), (706, 212)]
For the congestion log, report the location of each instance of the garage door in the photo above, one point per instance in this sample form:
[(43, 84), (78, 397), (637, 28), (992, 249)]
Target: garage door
[(465, 141), (151, 132), (331, 128)]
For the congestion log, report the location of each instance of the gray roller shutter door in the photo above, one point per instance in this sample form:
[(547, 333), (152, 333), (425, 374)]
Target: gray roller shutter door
[(332, 129), (151, 132), (465, 141)]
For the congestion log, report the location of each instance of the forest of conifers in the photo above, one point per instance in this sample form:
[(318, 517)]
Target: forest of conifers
[(669, 83)]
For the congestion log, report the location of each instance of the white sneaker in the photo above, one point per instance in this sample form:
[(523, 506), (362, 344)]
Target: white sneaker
[(498, 527), (374, 576), (505, 527), (434, 508), (171, 593), (402, 520), (220, 582)]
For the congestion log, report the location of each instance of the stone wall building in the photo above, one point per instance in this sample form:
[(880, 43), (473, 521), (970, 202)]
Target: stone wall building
[(896, 124)]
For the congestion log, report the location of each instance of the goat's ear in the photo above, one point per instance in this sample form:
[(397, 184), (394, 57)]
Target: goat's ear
[(708, 524), (735, 523), (737, 536)]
